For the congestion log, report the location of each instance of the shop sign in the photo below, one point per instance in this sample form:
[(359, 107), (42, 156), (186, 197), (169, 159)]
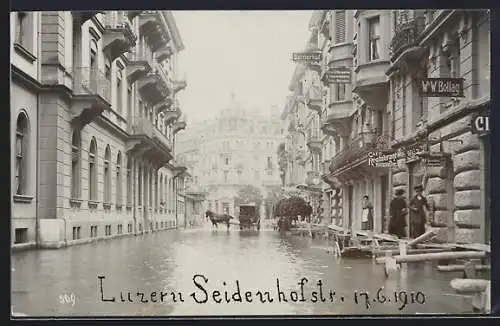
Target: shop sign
[(480, 123), (338, 75), (442, 87), (390, 158), (434, 162), (307, 57)]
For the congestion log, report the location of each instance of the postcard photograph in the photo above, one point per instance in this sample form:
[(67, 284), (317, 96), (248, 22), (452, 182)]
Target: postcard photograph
[(222, 163)]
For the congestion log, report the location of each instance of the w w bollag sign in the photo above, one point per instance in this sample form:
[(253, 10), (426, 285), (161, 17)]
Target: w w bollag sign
[(442, 87)]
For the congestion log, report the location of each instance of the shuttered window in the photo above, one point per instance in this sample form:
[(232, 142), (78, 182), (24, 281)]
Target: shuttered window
[(339, 26)]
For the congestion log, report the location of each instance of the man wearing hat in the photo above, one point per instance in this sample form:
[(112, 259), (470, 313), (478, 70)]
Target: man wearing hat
[(398, 210), (418, 212)]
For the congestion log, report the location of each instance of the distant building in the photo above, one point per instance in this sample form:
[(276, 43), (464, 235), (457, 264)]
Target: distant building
[(235, 149)]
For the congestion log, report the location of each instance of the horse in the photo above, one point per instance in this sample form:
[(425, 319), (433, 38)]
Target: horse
[(218, 218)]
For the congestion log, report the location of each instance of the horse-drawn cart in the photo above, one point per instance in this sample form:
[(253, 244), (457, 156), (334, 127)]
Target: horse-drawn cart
[(248, 217)]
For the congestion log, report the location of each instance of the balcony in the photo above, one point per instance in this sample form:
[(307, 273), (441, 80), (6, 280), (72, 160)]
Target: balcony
[(354, 155), (91, 95), (338, 118), (118, 36), (153, 88), (172, 114), (405, 40), (139, 65), (315, 145), (164, 53), (178, 126), (314, 99), (179, 85), (151, 26), (81, 17), (145, 140), (163, 106)]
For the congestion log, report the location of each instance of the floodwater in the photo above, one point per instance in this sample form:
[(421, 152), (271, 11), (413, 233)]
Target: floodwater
[(176, 272)]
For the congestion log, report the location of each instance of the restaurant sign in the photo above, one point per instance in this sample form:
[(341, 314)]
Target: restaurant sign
[(390, 158), (442, 87), (480, 123), (307, 57), (338, 75)]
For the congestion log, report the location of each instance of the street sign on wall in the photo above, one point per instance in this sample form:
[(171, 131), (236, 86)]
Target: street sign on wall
[(442, 87), (480, 123), (307, 57), (338, 75)]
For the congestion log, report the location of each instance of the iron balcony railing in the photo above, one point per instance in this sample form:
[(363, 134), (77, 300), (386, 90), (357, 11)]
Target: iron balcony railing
[(406, 35), (91, 81), (356, 148), (165, 76)]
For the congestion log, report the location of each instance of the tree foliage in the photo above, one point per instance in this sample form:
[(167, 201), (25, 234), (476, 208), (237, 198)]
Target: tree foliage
[(248, 194), (292, 207)]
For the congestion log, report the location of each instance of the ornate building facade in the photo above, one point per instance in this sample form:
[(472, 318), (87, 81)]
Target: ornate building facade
[(235, 149), (380, 108), (94, 145)]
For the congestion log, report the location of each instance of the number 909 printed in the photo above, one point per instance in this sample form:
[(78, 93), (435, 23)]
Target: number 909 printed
[(399, 298)]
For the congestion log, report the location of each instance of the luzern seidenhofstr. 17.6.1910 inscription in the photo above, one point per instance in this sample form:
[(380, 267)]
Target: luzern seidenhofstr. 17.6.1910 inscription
[(227, 293)]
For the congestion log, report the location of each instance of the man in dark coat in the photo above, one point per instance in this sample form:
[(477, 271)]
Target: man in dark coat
[(418, 213), (398, 211)]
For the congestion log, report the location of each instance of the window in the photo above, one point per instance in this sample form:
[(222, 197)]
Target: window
[(227, 160), (21, 151), (76, 232), (107, 70), (107, 230), (150, 189), (129, 228), (129, 102), (162, 203), (119, 179), (156, 192), (93, 231), (119, 229), (21, 235), (269, 162), (140, 177), (374, 38), (119, 92), (94, 70), (22, 30), (340, 92), (76, 149), (107, 175), (225, 176), (93, 170), (340, 26), (129, 181)]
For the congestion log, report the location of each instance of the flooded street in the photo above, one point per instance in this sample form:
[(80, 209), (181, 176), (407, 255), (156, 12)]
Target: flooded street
[(158, 264)]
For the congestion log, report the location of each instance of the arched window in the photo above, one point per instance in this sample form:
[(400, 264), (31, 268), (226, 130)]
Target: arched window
[(170, 197), (119, 179), (162, 202), (93, 170), (119, 92), (129, 181), (107, 175), (76, 151), (140, 177), (94, 65), (21, 154)]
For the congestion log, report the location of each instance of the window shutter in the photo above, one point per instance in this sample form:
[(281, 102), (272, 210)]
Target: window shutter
[(339, 26)]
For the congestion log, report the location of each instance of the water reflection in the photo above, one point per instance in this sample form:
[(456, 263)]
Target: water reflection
[(168, 261)]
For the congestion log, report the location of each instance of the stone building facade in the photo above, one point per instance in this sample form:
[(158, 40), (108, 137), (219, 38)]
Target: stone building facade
[(107, 119), (235, 149), (389, 52)]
